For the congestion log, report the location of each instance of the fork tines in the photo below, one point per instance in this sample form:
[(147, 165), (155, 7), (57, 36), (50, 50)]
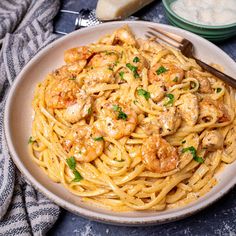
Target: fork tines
[(167, 37)]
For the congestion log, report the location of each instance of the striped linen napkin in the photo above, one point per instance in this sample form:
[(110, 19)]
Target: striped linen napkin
[(25, 28)]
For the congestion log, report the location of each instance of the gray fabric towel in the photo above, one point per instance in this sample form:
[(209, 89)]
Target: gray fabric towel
[(25, 28)]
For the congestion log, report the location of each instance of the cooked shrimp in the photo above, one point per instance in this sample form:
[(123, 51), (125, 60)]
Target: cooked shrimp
[(122, 35), (69, 71), (80, 109), (76, 54), (208, 107), (157, 91), (103, 59), (168, 73), (158, 155), (85, 143), (213, 140), (76, 67), (62, 73), (125, 36), (97, 75), (188, 108), (61, 93), (116, 120)]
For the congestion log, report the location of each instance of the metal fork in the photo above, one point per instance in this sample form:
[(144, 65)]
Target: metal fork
[(187, 49)]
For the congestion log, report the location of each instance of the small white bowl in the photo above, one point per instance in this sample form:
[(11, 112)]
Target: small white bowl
[(18, 118)]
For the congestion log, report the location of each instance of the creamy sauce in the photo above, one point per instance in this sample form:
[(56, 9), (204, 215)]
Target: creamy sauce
[(207, 12)]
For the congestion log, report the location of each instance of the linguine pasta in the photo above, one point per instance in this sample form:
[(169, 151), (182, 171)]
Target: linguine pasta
[(131, 124)]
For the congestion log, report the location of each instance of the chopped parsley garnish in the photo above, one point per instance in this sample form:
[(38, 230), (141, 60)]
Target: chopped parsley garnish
[(171, 99), (133, 69), (90, 110), (144, 93), (98, 138), (72, 164), (161, 70), (136, 59), (193, 151), (175, 79), (31, 140), (116, 108), (121, 74), (198, 159), (119, 160), (77, 175), (218, 90), (121, 114), (110, 68)]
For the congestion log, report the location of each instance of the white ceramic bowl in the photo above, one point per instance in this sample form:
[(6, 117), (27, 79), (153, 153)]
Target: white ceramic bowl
[(18, 117)]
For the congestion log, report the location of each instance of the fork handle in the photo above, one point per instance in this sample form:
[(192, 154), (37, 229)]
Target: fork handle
[(226, 78)]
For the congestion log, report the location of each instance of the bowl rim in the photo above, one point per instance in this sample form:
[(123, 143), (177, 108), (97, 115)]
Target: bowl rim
[(170, 11), (76, 209)]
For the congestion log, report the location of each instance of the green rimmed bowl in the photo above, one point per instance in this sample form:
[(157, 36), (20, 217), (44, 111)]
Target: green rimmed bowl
[(212, 33)]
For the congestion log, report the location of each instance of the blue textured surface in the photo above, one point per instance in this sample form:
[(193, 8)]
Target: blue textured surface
[(218, 219)]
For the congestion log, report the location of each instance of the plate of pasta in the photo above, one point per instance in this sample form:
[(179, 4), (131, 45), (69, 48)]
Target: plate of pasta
[(123, 129)]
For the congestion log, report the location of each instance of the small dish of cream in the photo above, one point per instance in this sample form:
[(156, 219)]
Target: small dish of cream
[(206, 12)]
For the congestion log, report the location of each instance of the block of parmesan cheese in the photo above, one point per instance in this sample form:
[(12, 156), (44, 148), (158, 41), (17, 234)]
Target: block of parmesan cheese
[(118, 9)]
